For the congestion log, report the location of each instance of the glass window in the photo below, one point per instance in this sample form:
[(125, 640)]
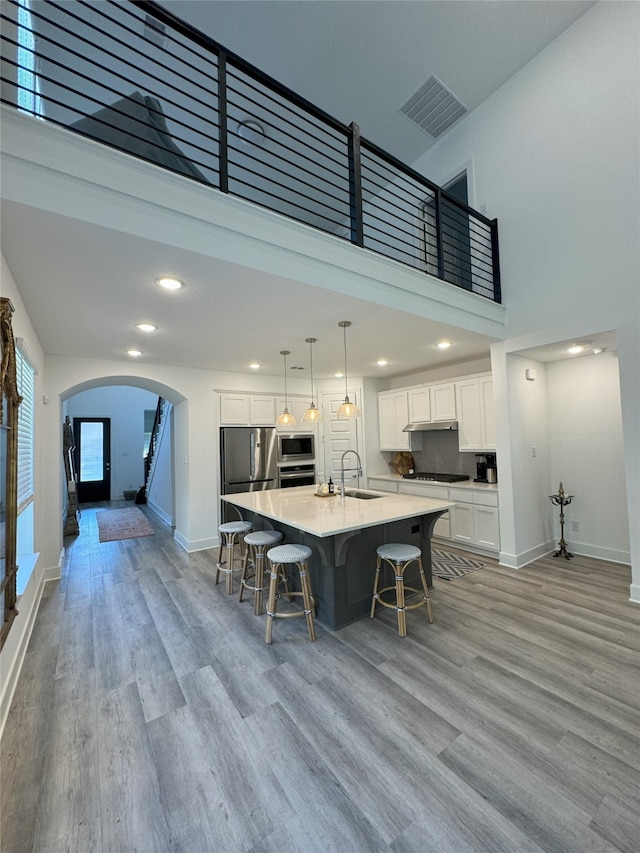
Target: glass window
[(26, 388), (91, 452), (28, 84)]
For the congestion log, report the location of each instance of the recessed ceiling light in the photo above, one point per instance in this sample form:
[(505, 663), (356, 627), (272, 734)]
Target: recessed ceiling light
[(444, 344), (146, 327), (339, 375), (575, 349), (169, 283), (255, 366), (134, 353), (381, 362)]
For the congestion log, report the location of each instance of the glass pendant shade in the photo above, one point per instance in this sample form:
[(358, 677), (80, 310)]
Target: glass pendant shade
[(313, 415), (285, 419), (347, 409)]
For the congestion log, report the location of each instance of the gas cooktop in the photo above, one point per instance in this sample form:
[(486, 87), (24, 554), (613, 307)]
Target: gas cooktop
[(437, 478)]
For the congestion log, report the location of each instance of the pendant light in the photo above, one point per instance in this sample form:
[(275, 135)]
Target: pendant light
[(312, 415), (285, 419), (347, 409)]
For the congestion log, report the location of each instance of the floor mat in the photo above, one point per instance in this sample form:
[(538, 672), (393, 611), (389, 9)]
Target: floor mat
[(130, 523), (451, 566)]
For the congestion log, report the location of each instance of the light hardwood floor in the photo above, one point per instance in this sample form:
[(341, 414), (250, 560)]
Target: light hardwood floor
[(150, 716)]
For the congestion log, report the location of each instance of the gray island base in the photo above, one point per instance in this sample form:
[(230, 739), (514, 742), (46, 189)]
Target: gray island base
[(343, 535)]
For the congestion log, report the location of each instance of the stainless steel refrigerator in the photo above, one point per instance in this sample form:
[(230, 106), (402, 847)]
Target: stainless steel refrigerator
[(248, 459)]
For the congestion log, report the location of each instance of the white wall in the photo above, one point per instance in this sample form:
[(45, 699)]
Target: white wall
[(16, 643), (125, 407), (586, 453), (555, 156)]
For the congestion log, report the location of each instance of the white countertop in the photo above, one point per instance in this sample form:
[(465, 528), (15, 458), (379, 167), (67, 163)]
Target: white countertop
[(326, 516), (461, 484)]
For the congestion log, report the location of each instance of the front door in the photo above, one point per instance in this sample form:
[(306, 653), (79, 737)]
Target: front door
[(93, 458)]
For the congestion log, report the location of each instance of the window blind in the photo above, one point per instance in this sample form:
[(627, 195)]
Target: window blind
[(26, 389)]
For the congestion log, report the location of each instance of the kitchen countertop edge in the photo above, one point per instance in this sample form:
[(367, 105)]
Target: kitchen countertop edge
[(461, 484)]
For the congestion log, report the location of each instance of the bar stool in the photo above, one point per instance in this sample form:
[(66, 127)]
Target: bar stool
[(231, 534), (299, 556), (399, 557), (256, 545)]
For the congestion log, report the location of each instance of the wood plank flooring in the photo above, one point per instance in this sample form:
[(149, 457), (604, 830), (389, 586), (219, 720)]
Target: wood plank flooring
[(150, 715)]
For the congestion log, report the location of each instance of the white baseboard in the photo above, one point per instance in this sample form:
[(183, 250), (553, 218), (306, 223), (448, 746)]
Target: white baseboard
[(517, 561), (612, 555), (15, 647), (438, 542), (196, 544), (634, 594), (162, 515)]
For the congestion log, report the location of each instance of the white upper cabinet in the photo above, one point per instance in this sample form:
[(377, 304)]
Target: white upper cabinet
[(476, 414), (234, 409), (393, 414), (443, 402), (419, 400), (432, 403), (262, 411), (247, 410)]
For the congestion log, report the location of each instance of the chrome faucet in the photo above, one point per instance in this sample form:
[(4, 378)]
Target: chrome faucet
[(343, 469)]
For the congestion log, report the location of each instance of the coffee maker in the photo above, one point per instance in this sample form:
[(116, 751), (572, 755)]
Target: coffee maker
[(492, 471), (481, 468), (486, 470)]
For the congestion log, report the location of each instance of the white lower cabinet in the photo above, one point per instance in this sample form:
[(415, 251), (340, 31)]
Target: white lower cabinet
[(442, 527), (382, 485), (474, 519), (486, 527), (472, 522)]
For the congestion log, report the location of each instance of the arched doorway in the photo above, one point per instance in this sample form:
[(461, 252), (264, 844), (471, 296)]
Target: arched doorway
[(107, 418)]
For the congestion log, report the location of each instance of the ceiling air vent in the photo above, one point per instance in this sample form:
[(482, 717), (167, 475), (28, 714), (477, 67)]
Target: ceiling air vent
[(433, 107)]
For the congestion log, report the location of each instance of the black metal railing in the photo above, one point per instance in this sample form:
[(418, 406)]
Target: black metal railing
[(133, 76)]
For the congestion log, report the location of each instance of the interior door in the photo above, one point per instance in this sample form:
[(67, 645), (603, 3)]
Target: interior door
[(93, 458), (338, 435)]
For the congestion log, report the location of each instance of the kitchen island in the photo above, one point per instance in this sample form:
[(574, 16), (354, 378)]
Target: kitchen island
[(343, 534)]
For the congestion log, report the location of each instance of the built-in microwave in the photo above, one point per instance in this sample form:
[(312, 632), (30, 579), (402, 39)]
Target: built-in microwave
[(296, 447)]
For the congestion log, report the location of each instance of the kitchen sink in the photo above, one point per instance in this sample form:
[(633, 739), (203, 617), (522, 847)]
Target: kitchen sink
[(361, 496)]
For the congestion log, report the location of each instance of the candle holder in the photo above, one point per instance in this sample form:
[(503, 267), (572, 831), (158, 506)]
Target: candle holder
[(562, 500)]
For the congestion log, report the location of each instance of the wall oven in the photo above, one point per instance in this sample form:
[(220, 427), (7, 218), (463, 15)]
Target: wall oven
[(296, 447), (296, 475)]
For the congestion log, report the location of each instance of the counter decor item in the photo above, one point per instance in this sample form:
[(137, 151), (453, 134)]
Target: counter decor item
[(562, 500), (402, 463)]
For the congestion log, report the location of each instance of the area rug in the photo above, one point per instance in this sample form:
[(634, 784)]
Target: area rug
[(451, 566), (114, 524)]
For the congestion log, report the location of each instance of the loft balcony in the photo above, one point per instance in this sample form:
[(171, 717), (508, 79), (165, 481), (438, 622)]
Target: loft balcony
[(134, 77)]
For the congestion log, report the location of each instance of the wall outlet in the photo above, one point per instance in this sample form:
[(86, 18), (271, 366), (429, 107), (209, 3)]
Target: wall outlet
[(575, 525)]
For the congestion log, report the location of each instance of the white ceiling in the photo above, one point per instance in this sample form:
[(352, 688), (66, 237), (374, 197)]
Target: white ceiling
[(358, 60)]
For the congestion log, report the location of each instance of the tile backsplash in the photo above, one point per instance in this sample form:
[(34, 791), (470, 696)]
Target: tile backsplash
[(440, 454)]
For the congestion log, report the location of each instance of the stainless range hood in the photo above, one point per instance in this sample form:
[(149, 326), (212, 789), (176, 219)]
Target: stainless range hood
[(429, 426)]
